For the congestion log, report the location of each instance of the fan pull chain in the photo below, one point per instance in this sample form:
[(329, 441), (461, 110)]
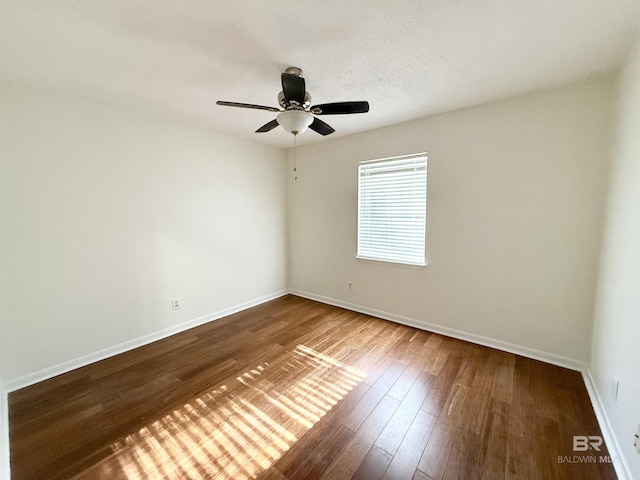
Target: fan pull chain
[(295, 158)]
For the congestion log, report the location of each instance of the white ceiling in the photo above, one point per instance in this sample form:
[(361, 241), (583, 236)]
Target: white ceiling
[(408, 58)]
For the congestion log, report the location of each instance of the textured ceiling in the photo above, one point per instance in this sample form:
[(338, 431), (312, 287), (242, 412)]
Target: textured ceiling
[(407, 58)]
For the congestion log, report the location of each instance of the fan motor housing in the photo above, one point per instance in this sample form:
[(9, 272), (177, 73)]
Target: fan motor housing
[(293, 105)]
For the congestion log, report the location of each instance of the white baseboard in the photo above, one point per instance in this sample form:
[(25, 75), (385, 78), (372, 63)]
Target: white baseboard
[(85, 360), (533, 353), (619, 461)]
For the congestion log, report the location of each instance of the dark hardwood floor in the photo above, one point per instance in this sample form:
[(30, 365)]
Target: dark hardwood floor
[(295, 389)]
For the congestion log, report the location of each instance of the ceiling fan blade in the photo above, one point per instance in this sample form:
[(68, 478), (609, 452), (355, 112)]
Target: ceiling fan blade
[(267, 127), (247, 105), (322, 128), (293, 88), (340, 108)]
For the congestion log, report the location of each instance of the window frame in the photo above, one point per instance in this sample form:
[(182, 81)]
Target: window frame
[(382, 259)]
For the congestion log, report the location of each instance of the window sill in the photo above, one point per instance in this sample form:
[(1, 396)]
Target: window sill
[(410, 266)]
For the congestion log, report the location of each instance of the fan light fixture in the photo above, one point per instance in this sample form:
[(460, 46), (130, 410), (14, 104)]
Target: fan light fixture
[(295, 121), (296, 113)]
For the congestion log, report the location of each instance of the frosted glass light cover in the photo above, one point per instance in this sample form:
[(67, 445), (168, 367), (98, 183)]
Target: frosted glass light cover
[(294, 121)]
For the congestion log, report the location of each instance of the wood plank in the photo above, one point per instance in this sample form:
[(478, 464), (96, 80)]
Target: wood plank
[(393, 434), (434, 459), (374, 465), (370, 400), (418, 475), (406, 459), (442, 385), (271, 474), (320, 454), (465, 460), (347, 463)]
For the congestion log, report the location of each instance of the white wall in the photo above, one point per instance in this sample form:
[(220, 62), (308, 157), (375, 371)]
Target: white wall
[(107, 214), (615, 350), (515, 193)]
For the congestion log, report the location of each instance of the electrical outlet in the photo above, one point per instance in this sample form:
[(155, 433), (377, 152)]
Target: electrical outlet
[(636, 439), (350, 286), (176, 304), (615, 388)]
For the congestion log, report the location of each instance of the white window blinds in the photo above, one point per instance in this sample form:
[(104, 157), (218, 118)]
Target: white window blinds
[(392, 209)]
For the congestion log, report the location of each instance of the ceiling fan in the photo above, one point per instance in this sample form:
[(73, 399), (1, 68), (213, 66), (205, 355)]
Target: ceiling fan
[(296, 114)]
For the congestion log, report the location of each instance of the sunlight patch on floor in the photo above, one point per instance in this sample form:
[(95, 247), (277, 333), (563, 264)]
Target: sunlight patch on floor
[(239, 429)]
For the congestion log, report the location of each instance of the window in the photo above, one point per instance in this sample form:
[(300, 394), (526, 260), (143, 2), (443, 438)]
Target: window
[(392, 209)]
